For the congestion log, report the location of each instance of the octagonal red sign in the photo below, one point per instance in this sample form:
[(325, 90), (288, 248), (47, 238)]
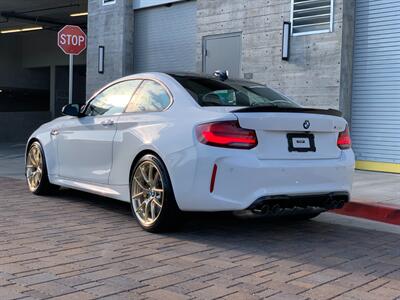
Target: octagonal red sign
[(71, 39)]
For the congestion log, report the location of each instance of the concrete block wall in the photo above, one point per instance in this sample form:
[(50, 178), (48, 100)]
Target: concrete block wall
[(39, 49), (110, 26), (313, 73), (346, 73), (13, 72), (16, 127), (26, 63)]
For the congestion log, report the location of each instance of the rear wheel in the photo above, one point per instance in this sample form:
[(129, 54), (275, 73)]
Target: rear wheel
[(152, 198), (36, 171)]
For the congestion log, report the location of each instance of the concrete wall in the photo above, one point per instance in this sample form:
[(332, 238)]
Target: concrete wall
[(12, 71), (26, 61), (318, 73), (61, 87), (39, 49), (312, 75), (346, 74), (17, 126), (110, 26)]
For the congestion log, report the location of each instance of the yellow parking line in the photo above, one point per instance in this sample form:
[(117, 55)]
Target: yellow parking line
[(377, 166)]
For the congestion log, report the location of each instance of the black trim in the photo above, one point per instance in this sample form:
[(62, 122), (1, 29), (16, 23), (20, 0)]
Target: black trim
[(310, 137), (303, 110), (326, 201)]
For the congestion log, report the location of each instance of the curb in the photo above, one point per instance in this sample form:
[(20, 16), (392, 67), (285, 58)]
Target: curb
[(374, 211)]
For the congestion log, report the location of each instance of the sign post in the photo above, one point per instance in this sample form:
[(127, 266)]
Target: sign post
[(72, 41), (71, 78)]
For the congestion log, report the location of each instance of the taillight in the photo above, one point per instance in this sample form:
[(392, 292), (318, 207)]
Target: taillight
[(344, 140), (227, 134)]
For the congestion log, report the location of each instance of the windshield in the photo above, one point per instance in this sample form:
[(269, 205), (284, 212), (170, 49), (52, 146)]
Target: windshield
[(212, 92)]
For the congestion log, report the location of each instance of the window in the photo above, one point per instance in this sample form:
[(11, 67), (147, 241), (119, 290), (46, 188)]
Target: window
[(151, 96), (312, 16), (108, 2), (212, 92), (112, 100)]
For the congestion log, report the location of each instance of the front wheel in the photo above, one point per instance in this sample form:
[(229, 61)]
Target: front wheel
[(36, 171), (152, 198)]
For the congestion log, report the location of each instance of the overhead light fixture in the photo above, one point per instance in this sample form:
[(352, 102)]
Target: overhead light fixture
[(81, 14), (11, 30), (21, 29), (32, 28)]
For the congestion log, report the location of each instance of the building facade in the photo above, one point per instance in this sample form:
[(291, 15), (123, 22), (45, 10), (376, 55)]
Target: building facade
[(242, 36), (343, 54)]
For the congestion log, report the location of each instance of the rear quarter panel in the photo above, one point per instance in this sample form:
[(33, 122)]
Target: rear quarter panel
[(169, 134)]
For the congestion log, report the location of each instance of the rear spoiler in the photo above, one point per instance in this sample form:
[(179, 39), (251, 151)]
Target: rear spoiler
[(304, 110)]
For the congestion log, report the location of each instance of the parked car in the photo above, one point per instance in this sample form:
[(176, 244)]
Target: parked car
[(169, 143)]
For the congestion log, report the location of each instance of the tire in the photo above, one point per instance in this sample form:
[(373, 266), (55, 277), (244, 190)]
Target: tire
[(36, 171), (152, 198)]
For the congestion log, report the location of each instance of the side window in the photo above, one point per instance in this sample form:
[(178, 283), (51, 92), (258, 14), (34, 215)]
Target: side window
[(151, 96), (113, 100)]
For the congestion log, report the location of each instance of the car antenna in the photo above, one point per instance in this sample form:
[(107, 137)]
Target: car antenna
[(222, 75)]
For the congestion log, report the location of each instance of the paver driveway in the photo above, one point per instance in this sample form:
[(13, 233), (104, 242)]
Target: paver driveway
[(78, 246)]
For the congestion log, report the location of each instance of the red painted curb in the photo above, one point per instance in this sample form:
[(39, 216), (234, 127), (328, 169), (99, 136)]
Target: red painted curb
[(384, 213)]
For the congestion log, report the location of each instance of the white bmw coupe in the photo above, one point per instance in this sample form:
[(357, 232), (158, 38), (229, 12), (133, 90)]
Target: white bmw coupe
[(177, 142)]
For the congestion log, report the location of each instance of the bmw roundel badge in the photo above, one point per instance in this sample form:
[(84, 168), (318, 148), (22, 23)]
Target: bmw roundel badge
[(306, 124)]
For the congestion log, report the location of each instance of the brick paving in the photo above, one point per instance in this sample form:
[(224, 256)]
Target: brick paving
[(78, 246)]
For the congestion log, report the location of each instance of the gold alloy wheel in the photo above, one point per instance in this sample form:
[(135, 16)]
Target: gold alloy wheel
[(34, 167), (147, 193)]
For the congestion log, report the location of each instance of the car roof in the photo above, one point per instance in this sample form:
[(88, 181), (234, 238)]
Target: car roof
[(159, 75)]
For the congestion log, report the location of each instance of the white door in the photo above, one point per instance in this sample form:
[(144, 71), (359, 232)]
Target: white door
[(85, 145)]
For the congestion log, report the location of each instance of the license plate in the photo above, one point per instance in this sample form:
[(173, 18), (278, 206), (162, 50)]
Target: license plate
[(301, 142)]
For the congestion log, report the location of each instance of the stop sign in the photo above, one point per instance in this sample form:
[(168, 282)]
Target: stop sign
[(71, 39)]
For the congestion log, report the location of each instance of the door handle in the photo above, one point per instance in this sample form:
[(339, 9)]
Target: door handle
[(107, 123)]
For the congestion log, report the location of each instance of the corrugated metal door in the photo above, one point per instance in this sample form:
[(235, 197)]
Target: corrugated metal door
[(165, 38), (376, 81)]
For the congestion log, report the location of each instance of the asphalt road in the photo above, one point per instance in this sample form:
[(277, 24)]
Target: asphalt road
[(78, 246)]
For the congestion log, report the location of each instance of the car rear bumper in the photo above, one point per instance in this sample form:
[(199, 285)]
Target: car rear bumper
[(242, 180), (276, 203)]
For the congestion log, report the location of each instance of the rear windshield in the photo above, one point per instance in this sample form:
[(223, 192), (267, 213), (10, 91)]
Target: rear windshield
[(213, 92)]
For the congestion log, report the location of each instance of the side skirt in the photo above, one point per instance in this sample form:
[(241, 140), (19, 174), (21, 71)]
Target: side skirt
[(118, 192)]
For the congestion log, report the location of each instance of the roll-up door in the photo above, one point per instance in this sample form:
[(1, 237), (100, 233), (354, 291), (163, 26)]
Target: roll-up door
[(165, 38), (376, 85)]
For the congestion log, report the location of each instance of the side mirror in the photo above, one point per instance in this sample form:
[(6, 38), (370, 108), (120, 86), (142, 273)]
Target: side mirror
[(71, 110)]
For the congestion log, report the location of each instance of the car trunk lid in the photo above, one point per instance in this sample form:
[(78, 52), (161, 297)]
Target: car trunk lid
[(294, 133)]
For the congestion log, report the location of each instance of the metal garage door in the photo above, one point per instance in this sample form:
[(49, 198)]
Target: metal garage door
[(165, 38), (376, 81)]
